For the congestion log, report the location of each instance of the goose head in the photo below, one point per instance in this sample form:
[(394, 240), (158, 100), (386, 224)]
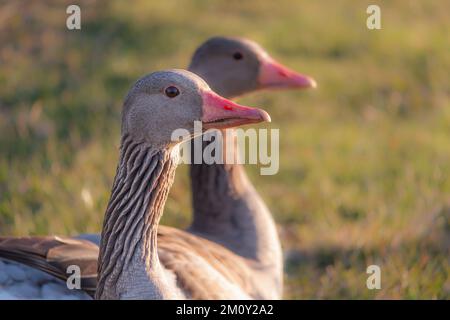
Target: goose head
[(235, 66), (165, 101)]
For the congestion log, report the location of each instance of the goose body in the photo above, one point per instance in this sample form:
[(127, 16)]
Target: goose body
[(19, 281), (229, 215), (227, 209), (184, 256), (132, 262)]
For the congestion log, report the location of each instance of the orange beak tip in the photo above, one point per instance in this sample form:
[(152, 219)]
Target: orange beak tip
[(275, 75), (219, 112), (265, 116)]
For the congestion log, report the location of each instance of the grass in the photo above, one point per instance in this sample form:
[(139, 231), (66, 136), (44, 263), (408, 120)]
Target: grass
[(365, 159)]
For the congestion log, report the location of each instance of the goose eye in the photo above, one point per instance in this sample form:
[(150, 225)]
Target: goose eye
[(237, 56), (172, 92)]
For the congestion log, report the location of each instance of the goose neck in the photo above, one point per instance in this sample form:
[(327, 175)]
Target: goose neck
[(128, 247)]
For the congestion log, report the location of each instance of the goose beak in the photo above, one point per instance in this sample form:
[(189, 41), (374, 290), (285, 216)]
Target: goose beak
[(274, 75), (221, 113)]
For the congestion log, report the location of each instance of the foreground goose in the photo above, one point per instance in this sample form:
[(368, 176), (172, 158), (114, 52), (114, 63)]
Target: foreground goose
[(130, 265), (236, 217)]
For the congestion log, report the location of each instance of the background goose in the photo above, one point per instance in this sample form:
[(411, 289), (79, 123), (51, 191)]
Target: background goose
[(129, 262), (235, 217)]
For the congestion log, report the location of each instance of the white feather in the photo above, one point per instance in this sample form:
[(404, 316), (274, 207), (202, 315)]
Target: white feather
[(18, 281)]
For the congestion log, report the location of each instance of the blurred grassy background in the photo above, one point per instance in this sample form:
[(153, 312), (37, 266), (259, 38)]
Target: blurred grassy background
[(365, 159)]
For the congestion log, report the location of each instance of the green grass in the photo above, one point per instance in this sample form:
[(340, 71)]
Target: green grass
[(365, 159)]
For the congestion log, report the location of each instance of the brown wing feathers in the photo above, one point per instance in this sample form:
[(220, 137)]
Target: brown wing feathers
[(176, 250), (53, 255)]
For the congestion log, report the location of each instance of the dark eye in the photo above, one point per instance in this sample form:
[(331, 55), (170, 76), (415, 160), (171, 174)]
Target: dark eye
[(172, 92), (237, 56)]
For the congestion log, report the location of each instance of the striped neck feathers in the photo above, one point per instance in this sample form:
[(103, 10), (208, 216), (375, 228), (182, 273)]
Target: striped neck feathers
[(143, 178)]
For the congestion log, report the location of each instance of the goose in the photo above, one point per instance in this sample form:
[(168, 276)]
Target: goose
[(227, 209), (133, 260), (236, 217)]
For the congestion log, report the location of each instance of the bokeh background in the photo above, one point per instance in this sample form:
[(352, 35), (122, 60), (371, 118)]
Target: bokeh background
[(365, 159)]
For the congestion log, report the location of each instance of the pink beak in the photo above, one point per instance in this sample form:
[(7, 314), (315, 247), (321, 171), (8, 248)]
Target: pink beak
[(274, 75), (221, 113)]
